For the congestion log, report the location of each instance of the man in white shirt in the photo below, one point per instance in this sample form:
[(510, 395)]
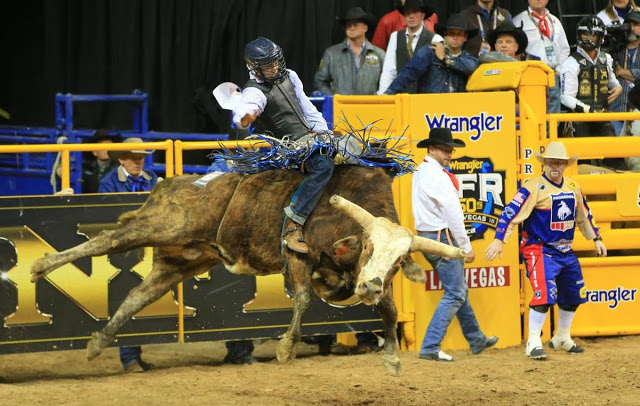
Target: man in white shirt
[(438, 216), (403, 43), (547, 40)]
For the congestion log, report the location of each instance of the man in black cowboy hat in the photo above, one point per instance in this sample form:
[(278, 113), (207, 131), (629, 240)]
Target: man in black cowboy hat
[(403, 43), (440, 69), (485, 16), (354, 65), (394, 21), (96, 167), (438, 216), (509, 44)]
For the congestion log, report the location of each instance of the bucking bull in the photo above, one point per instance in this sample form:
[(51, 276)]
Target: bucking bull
[(355, 244)]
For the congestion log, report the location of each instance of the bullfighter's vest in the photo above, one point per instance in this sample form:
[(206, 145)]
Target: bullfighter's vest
[(402, 55), (593, 81), (282, 114)]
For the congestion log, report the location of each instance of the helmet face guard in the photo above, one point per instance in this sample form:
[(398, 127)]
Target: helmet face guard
[(263, 54), (592, 27)]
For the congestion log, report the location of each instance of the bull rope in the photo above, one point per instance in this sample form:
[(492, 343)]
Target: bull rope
[(356, 147)]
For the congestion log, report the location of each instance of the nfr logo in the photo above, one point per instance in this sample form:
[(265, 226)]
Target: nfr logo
[(476, 125), (481, 193), (562, 211)]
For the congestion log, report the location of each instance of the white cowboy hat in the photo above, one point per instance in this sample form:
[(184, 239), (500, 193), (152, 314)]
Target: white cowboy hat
[(556, 150), (118, 154)]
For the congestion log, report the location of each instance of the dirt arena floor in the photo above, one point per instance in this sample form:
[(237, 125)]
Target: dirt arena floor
[(608, 373)]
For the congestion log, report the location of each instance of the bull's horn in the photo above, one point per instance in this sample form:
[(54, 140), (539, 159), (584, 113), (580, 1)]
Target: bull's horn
[(360, 215), (436, 248)]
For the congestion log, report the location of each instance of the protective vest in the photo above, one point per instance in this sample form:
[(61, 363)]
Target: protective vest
[(402, 55), (282, 115), (593, 81)]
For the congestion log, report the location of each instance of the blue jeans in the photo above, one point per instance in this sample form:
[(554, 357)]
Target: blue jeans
[(319, 168), (455, 302), (129, 355), (554, 97)]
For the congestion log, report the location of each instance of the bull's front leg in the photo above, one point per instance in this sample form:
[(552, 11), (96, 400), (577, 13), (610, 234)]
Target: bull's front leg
[(300, 279), (389, 314)]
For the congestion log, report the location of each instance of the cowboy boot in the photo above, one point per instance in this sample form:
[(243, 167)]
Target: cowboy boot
[(293, 237)]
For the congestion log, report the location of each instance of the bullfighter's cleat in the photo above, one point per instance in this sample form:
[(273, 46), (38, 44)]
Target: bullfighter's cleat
[(568, 345), (535, 350), (294, 239)]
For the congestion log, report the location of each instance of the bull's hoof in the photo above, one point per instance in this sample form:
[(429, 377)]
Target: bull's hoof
[(95, 346), (286, 350), (41, 268), (392, 365)]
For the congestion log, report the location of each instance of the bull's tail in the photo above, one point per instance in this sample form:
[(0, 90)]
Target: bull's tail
[(126, 218)]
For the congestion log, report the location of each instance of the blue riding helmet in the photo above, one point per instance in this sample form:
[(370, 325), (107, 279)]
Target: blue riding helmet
[(262, 52)]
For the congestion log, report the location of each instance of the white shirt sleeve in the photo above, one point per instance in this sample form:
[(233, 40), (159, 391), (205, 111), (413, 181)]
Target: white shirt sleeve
[(389, 70), (453, 215), (569, 71), (562, 44), (311, 113), (252, 100)]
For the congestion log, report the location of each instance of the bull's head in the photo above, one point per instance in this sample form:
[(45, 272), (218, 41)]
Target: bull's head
[(384, 248)]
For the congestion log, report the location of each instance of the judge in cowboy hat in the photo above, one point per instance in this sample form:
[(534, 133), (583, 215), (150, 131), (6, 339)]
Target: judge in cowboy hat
[(130, 176), (549, 207)]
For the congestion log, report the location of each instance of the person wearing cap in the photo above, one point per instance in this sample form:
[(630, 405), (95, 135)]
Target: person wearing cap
[(439, 69), (395, 20), (130, 175), (403, 43), (484, 16), (94, 169), (509, 44), (438, 216), (354, 65), (549, 207), (546, 40), (627, 69)]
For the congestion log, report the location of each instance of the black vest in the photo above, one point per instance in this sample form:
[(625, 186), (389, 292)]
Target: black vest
[(282, 115), (593, 81), (402, 55)]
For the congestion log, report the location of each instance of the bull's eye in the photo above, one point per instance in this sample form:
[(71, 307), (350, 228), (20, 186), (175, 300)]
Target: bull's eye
[(398, 262)]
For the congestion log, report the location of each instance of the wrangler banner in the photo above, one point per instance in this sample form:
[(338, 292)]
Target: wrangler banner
[(62, 310), (486, 173)]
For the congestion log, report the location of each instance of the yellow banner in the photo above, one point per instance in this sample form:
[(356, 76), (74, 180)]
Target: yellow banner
[(486, 172)]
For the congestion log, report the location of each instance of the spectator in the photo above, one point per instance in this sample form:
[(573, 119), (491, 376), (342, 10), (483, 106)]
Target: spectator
[(549, 207), (130, 175), (438, 216), (588, 83), (509, 44), (394, 21), (440, 69), (616, 11), (353, 66), (403, 43), (485, 16), (547, 40), (627, 69), (93, 170)]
